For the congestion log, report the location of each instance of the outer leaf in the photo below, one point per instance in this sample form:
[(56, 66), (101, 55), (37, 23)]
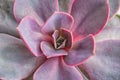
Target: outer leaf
[(82, 50), (114, 22), (7, 24), (108, 34), (29, 78), (16, 62), (55, 69), (41, 10), (111, 31), (90, 16), (114, 6), (30, 32), (105, 64), (7, 5), (2, 4), (10, 4), (65, 5), (56, 21), (118, 12)]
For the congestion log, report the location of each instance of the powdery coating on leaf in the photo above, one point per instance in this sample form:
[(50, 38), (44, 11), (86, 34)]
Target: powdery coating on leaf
[(7, 24), (30, 32), (82, 51), (65, 5), (7, 5), (16, 62), (89, 16), (56, 21), (105, 64), (114, 7), (111, 32), (56, 69), (41, 10), (114, 22), (118, 12)]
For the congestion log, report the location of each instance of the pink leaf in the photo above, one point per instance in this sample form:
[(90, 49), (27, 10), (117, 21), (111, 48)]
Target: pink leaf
[(55, 69), (16, 61), (90, 16), (82, 50), (41, 10)]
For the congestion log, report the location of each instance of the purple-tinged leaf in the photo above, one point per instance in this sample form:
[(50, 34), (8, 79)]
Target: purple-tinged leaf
[(56, 69), (30, 32), (3, 4), (112, 33), (56, 21), (7, 5), (41, 10), (105, 65), (82, 50), (114, 22), (68, 36), (49, 51), (16, 61), (65, 5), (30, 77), (55, 35), (90, 16), (118, 13), (114, 6), (7, 24)]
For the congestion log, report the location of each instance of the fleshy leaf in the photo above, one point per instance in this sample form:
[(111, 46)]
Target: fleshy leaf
[(29, 77), (105, 64), (7, 24), (114, 6), (30, 32), (16, 61), (56, 69), (7, 5), (90, 16), (41, 10), (66, 34), (3, 4), (82, 50), (56, 21), (108, 33), (118, 13), (69, 37), (114, 22), (65, 5), (49, 51), (55, 35), (111, 31)]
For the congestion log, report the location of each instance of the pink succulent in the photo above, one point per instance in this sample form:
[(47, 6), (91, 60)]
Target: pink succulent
[(65, 39), (59, 41)]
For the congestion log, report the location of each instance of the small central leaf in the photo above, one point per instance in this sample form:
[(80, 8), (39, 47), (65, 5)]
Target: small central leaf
[(60, 41)]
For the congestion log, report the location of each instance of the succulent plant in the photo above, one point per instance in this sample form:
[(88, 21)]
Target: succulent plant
[(59, 40)]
